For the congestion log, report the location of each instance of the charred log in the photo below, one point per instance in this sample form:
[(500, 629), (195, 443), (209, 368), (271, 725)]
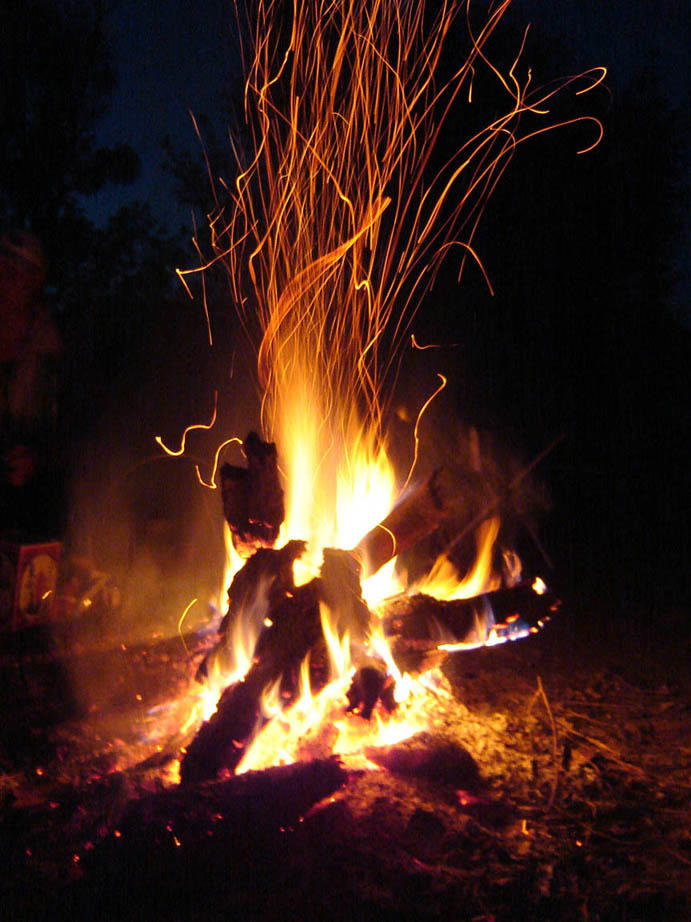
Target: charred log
[(419, 627), (268, 568), (253, 504), (425, 757), (341, 592), (221, 741), (259, 589), (248, 805), (253, 497), (293, 628), (371, 685)]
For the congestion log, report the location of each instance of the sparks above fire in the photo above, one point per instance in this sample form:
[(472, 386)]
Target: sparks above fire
[(341, 212)]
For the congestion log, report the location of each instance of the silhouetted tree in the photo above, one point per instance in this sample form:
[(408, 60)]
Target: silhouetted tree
[(111, 285), (56, 80)]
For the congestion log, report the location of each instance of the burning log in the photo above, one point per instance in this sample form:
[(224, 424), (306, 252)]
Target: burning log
[(292, 629), (221, 741), (339, 581), (422, 631), (260, 587), (253, 497), (292, 618), (370, 685), (443, 494)]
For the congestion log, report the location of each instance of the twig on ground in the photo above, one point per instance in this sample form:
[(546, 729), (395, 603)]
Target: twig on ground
[(555, 782), (540, 694)]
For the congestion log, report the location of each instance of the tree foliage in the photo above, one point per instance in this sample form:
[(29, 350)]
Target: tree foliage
[(56, 82), (106, 284)]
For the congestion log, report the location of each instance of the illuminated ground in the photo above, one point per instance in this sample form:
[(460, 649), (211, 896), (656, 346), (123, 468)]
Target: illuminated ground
[(579, 735)]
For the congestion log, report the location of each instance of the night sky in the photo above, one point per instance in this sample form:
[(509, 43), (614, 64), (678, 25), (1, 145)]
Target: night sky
[(172, 56)]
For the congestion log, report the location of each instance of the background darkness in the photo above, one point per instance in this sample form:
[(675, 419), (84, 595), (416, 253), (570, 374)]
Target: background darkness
[(587, 335)]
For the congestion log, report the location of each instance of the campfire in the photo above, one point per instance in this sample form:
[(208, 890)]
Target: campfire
[(325, 671), (342, 211)]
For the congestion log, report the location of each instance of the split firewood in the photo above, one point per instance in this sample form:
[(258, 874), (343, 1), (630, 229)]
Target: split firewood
[(253, 497)]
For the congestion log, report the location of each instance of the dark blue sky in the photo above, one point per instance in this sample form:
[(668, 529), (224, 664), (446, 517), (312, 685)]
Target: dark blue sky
[(171, 56)]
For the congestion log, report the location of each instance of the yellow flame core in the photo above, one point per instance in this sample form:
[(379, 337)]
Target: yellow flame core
[(336, 226)]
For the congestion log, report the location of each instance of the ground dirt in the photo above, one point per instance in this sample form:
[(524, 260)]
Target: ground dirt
[(580, 811)]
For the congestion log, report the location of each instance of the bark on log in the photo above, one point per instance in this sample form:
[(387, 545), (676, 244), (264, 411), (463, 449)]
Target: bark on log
[(257, 590), (416, 626)]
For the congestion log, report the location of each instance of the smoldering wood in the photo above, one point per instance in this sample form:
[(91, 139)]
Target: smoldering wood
[(426, 757), (266, 799), (253, 502)]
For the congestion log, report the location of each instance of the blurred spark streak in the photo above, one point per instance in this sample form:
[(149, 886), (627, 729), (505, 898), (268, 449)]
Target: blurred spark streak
[(417, 426), (603, 73), (182, 618), (212, 485), (416, 345), (181, 450)]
